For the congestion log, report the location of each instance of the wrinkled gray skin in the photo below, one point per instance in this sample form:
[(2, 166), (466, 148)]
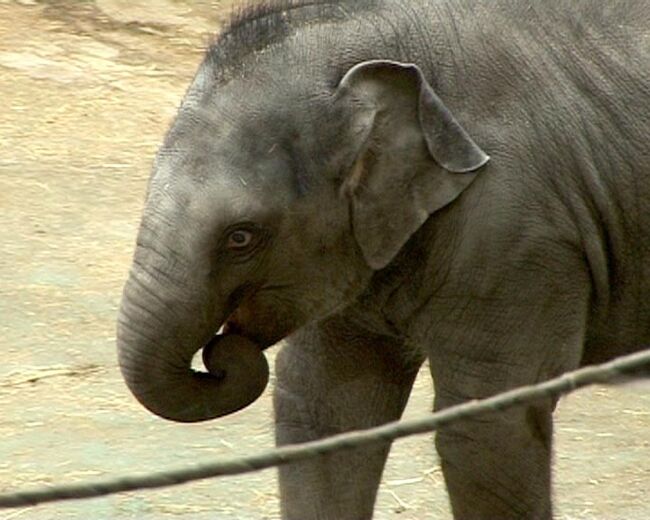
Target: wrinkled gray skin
[(376, 235)]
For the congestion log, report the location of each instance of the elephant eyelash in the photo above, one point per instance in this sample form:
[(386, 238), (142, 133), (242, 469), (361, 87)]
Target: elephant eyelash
[(259, 239), (240, 239)]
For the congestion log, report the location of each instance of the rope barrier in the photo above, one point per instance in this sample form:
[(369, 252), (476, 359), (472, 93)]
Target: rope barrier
[(561, 385)]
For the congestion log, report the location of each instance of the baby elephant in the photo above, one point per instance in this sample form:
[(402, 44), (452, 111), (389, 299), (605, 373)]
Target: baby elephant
[(383, 182)]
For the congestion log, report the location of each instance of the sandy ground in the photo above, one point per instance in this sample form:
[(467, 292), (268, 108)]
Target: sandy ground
[(87, 89)]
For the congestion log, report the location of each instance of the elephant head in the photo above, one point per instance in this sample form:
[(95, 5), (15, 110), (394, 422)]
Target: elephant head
[(269, 207)]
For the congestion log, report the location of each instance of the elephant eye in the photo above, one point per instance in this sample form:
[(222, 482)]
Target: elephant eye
[(239, 239)]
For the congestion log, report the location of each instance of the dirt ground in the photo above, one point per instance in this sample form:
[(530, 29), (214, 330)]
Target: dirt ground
[(87, 89)]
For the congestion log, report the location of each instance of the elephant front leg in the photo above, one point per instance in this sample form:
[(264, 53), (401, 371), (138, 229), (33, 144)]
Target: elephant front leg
[(333, 378)]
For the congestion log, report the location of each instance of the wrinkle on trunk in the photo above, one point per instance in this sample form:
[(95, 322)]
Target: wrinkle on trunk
[(159, 332)]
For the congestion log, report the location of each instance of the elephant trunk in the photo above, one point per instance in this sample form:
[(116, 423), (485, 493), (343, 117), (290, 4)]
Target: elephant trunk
[(162, 324)]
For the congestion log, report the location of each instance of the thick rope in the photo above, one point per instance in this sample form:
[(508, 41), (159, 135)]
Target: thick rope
[(385, 433)]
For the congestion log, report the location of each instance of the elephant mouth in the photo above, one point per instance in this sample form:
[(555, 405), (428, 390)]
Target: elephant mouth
[(249, 317), (233, 327)]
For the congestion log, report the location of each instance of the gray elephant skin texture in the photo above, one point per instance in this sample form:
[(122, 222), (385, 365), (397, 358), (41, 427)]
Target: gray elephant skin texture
[(380, 183)]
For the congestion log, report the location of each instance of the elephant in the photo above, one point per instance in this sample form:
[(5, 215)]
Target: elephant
[(380, 183)]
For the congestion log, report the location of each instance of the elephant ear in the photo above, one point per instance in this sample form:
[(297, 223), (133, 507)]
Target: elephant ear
[(413, 157)]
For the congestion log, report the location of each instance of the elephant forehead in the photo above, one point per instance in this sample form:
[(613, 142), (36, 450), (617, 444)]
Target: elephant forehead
[(227, 157), (226, 193), (202, 147)]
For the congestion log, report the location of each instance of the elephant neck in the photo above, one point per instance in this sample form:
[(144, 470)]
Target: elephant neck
[(398, 296)]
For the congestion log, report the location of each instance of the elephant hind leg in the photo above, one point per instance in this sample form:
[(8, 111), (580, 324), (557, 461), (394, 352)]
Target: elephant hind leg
[(332, 378), (494, 468)]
